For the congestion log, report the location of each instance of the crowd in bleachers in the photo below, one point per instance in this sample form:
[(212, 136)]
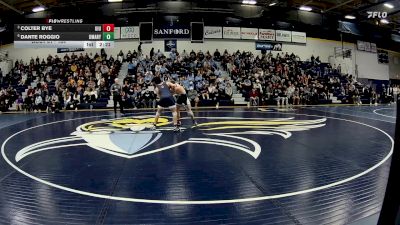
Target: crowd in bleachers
[(80, 79), (55, 83)]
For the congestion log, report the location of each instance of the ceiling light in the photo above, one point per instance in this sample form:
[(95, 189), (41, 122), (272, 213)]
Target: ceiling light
[(384, 21), (305, 8), (114, 0), (272, 4), (249, 2), (350, 17), (38, 9), (388, 5)]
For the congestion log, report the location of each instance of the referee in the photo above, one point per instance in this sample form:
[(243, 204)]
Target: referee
[(116, 90)]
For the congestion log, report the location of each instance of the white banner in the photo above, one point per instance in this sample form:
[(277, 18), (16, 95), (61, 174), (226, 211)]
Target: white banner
[(212, 32), (283, 35), (266, 34), (299, 37), (367, 46), (249, 33), (373, 47), (231, 32), (117, 33), (130, 32), (360, 45)]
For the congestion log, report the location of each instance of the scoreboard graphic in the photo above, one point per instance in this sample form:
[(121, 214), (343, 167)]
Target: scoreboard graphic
[(64, 35)]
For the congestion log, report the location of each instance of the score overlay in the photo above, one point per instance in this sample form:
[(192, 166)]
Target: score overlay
[(64, 35)]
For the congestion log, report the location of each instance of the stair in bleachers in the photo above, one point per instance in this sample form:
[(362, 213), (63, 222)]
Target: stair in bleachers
[(110, 102), (335, 100), (13, 107), (123, 72), (239, 99), (121, 76)]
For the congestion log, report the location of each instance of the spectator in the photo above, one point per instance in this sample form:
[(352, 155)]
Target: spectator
[(54, 103), (278, 79), (67, 100), (229, 91), (148, 99), (254, 97), (76, 100), (152, 54), (38, 107), (2, 77), (90, 95), (192, 95), (120, 56), (19, 103), (296, 97), (282, 97)]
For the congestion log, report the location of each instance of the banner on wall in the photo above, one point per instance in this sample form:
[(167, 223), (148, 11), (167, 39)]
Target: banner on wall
[(299, 37), (212, 32), (62, 50), (367, 46), (383, 57), (117, 32), (266, 34), (268, 46), (231, 32), (283, 35), (170, 44), (373, 48), (131, 32), (176, 31), (360, 46), (248, 33)]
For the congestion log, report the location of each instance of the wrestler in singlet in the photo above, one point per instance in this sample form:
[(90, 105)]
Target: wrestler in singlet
[(182, 101), (165, 96), (166, 100)]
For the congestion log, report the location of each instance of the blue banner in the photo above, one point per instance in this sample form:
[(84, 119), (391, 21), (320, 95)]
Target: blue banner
[(62, 50), (268, 46), (169, 45)]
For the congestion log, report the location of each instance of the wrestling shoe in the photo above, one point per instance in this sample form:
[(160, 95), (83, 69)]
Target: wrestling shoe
[(177, 129)]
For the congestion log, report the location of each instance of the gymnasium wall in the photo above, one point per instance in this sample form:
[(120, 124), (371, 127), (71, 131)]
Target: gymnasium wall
[(323, 48), (366, 63), (394, 65), (368, 66)]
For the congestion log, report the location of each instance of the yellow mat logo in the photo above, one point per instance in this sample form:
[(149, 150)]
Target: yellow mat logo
[(133, 137)]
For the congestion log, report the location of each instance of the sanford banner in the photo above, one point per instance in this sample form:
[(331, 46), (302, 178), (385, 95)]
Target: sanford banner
[(268, 46), (176, 31)]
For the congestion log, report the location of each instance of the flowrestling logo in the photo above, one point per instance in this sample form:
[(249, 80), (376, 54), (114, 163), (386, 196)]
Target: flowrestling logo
[(374, 14)]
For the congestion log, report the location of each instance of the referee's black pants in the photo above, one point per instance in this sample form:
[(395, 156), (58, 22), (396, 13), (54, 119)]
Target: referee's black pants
[(118, 99)]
